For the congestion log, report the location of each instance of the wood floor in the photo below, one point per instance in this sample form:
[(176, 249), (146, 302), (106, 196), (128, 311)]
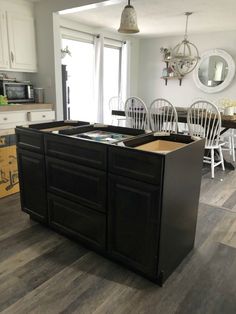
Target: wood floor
[(44, 272)]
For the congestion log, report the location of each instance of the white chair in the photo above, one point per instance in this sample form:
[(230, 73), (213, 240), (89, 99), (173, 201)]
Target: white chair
[(116, 103), (136, 113), (163, 116), (204, 120), (228, 136)]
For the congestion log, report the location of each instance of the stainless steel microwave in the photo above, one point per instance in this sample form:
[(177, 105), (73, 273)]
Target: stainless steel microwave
[(17, 92)]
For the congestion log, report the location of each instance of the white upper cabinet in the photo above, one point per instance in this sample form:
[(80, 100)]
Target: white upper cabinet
[(4, 55), (22, 47), (17, 38)]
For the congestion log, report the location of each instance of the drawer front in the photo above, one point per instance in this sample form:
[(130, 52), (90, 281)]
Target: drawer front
[(41, 116), (81, 184), (12, 117), (80, 151), (29, 139), (135, 164), (87, 225)]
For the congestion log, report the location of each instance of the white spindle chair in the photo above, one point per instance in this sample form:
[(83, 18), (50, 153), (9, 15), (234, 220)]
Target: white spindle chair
[(136, 113), (204, 120), (163, 116), (116, 103)]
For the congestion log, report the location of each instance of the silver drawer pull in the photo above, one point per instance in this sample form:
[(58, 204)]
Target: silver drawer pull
[(44, 116), (5, 119)]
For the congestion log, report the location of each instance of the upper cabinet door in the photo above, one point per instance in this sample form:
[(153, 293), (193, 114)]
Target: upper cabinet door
[(4, 56), (22, 45)]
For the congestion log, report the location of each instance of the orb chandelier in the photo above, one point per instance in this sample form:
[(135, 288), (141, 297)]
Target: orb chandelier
[(185, 55), (128, 23)]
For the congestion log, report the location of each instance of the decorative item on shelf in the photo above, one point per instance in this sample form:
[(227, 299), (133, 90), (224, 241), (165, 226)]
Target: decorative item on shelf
[(228, 106), (169, 71), (185, 55), (65, 51), (128, 23), (166, 53)]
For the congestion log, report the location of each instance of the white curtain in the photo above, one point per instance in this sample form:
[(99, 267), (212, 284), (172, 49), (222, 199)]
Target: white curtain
[(125, 71), (99, 60)]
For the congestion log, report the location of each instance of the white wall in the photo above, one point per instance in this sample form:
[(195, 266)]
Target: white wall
[(151, 86), (48, 47)]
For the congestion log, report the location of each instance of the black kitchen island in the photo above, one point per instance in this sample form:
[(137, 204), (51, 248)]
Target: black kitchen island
[(131, 196)]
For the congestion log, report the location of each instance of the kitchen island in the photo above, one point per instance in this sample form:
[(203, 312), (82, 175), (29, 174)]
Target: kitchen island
[(129, 195)]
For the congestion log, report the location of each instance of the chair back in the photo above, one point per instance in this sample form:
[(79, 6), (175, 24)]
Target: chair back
[(163, 116), (136, 113), (116, 103), (204, 120)]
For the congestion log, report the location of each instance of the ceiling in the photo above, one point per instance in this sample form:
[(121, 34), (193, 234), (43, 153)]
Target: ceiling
[(163, 17)]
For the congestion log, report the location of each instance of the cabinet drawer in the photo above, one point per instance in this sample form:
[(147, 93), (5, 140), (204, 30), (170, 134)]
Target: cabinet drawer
[(80, 151), (135, 164), (29, 139), (87, 225), (41, 116), (12, 117), (81, 184)]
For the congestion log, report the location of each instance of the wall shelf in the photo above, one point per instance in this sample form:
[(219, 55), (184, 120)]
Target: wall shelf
[(169, 77)]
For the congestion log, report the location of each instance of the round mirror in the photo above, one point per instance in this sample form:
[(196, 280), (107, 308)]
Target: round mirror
[(215, 71)]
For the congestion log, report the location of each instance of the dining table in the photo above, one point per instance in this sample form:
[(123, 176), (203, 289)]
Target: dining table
[(227, 122)]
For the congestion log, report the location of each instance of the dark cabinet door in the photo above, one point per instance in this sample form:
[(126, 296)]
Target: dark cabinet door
[(89, 226), (31, 168), (133, 223)]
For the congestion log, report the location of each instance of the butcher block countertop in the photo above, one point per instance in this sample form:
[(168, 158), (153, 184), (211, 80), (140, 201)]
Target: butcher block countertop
[(32, 106)]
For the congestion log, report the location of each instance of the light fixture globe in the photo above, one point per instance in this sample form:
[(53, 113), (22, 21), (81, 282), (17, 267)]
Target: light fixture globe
[(128, 23), (185, 55)]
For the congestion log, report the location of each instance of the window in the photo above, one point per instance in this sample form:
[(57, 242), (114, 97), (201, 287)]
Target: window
[(111, 76), (80, 69)]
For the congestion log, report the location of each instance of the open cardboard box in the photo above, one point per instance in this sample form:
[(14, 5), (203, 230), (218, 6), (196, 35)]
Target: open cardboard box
[(161, 146), (8, 166)]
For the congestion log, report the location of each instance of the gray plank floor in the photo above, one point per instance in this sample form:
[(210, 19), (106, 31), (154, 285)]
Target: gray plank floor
[(44, 272)]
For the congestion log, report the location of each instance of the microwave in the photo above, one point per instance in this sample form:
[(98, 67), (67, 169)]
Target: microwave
[(17, 92)]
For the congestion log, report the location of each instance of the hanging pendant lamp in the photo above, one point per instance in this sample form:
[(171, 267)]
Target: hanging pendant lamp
[(128, 22), (185, 55)]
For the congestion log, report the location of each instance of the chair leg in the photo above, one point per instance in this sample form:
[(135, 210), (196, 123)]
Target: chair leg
[(222, 158), (212, 164)]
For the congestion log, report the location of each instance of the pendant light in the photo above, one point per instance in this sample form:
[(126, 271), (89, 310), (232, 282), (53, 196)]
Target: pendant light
[(185, 55), (128, 22)]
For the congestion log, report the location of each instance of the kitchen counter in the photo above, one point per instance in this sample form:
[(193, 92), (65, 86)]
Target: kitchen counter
[(130, 196), (28, 107)]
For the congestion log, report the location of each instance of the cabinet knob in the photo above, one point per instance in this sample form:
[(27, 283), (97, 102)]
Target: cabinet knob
[(5, 119), (44, 116)]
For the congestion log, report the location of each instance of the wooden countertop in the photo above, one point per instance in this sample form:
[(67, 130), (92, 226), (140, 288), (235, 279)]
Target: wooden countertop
[(32, 106)]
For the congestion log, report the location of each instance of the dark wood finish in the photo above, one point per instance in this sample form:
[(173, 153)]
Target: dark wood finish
[(82, 223), (81, 184), (150, 221), (182, 117), (32, 180), (136, 164), (134, 222), (29, 139), (180, 200), (80, 151), (40, 126)]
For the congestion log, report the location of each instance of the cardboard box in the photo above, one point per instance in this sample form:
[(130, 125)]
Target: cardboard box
[(9, 183)]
